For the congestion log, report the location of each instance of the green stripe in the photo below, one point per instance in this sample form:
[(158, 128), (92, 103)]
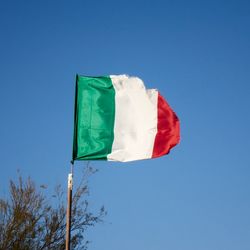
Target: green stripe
[(94, 118)]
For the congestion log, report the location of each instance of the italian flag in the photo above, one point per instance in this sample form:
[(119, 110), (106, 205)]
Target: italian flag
[(118, 119)]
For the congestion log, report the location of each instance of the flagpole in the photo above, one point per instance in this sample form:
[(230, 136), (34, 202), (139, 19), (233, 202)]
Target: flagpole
[(69, 206)]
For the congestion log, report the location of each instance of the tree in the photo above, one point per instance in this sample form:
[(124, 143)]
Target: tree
[(30, 221)]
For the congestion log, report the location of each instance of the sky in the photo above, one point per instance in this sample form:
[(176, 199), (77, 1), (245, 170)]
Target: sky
[(196, 53)]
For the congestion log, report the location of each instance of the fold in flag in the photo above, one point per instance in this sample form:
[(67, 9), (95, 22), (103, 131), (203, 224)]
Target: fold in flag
[(118, 119)]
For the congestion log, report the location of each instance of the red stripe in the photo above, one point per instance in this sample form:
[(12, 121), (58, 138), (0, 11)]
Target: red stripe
[(168, 129)]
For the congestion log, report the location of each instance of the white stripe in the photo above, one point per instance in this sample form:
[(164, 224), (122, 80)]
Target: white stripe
[(135, 125)]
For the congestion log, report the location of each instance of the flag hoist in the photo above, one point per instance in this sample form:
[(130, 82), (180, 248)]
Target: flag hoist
[(117, 119)]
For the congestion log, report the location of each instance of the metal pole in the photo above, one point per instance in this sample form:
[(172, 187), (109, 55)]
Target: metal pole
[(69, 205)]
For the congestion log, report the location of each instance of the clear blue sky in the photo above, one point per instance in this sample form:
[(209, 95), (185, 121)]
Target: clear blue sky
[(196, 53)]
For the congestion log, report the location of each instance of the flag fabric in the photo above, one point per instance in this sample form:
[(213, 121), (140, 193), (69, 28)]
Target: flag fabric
[(118, 119)]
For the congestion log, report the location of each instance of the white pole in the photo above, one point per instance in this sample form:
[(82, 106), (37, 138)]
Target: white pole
[(69, 206)]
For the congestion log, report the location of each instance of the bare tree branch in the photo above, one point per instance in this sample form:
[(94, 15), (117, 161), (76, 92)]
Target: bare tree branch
[(29, 220)]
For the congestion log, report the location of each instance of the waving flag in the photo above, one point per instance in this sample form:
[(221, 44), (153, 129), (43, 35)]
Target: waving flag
[(118, 119)]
